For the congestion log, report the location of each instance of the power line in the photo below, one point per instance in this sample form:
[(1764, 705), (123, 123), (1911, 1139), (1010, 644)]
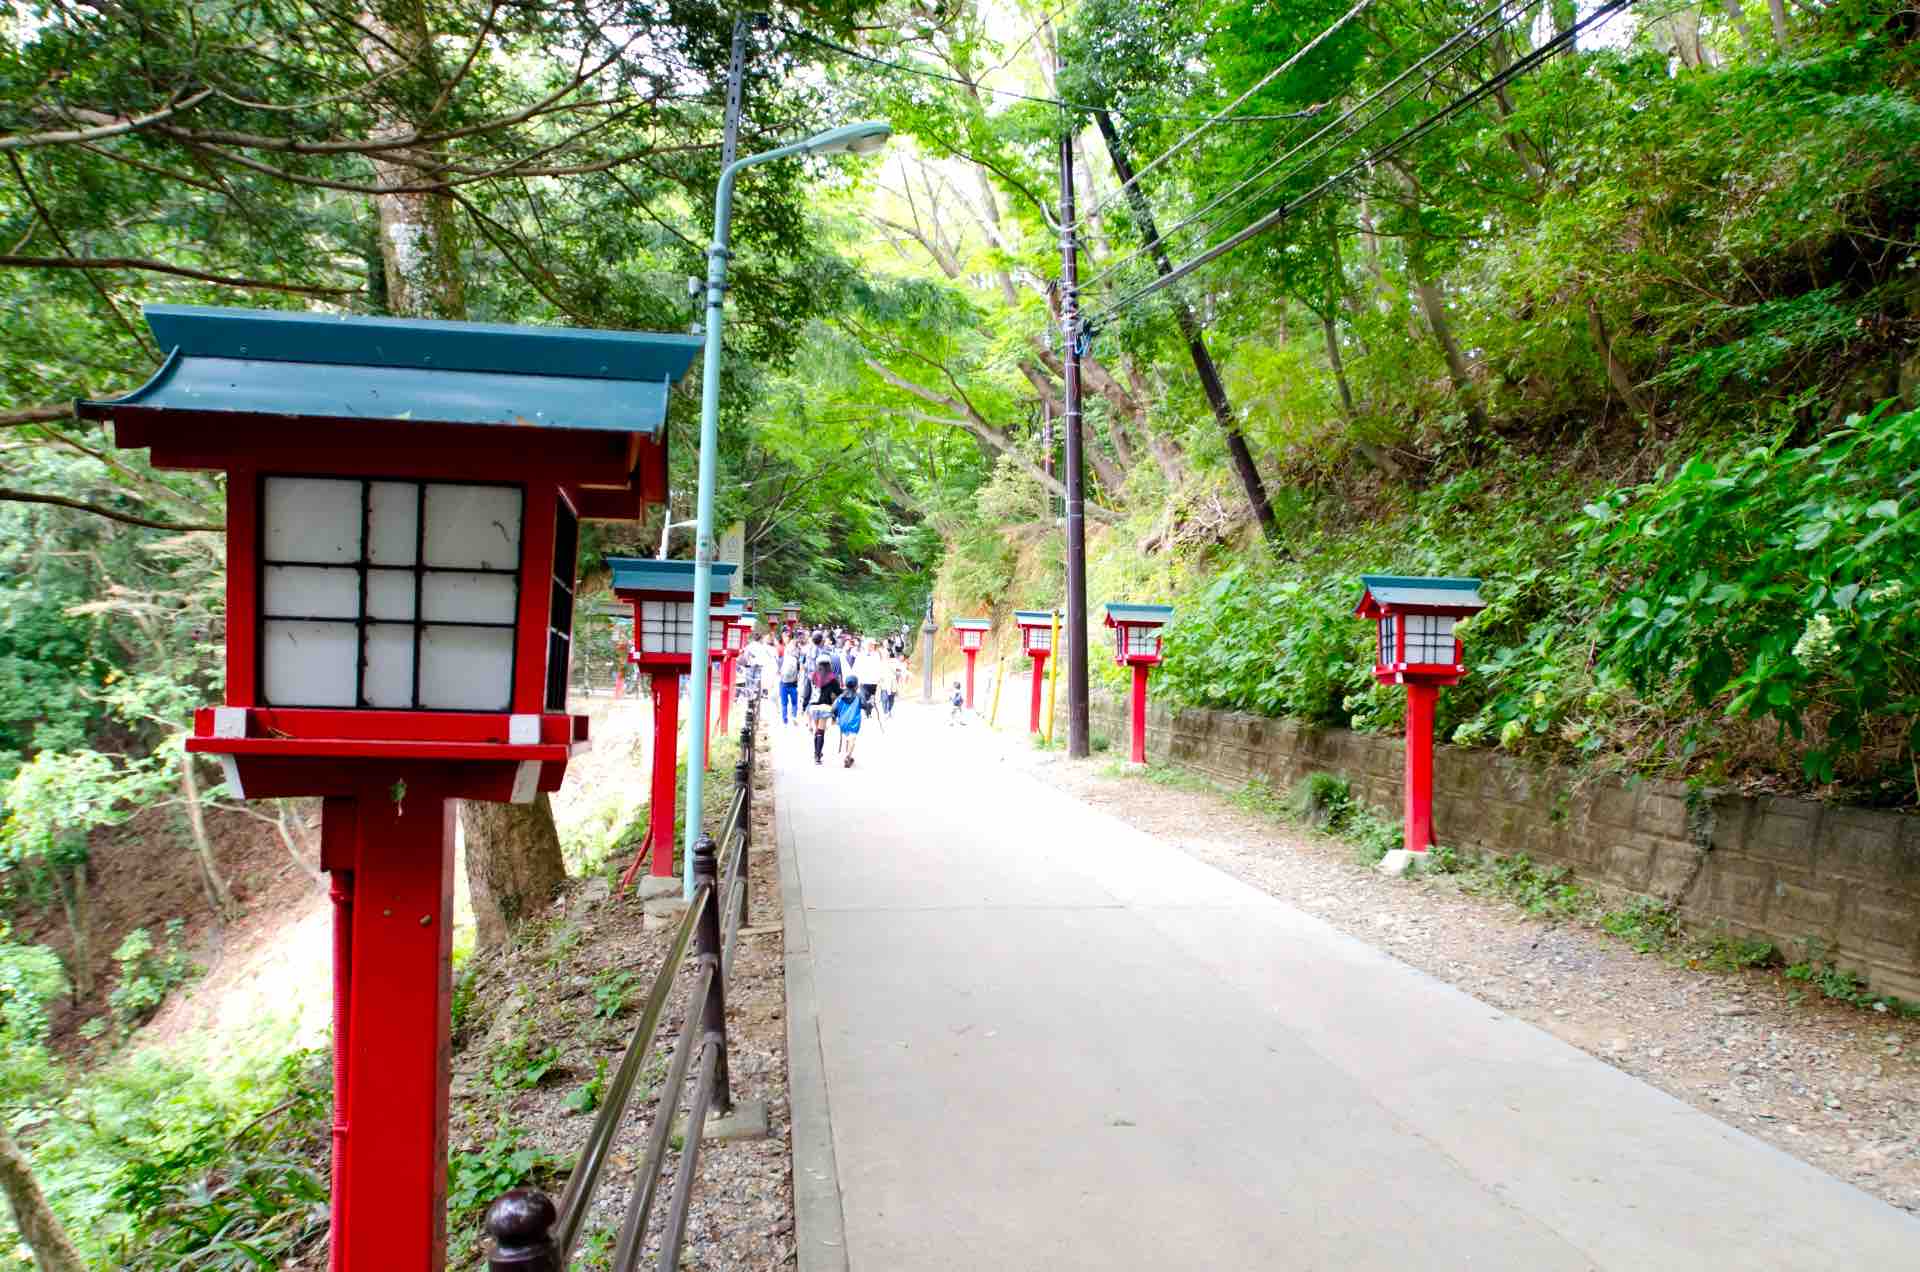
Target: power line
[(1406, 138), (914, 68), (1447, 49), (1259, 84)]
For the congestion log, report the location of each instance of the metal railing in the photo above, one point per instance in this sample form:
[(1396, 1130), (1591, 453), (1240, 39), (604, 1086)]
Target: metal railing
[(529, 1232)]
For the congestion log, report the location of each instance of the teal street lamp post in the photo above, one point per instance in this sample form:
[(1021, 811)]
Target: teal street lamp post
[(860, 138)]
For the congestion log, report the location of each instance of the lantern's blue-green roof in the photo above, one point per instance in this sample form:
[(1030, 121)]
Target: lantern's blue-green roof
[(644, 574), (1402, 590), (1033, 618), (729, 612), (973, 624), (330, 366), (1125, 612)]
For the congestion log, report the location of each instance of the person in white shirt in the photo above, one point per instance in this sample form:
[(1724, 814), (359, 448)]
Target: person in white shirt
[(870, 666)]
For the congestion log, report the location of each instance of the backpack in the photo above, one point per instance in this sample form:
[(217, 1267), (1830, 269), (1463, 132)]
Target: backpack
[(846, 712), (790, 666)]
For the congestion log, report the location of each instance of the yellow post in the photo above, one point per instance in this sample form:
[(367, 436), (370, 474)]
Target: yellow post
[(993, 712), (1053, 672)]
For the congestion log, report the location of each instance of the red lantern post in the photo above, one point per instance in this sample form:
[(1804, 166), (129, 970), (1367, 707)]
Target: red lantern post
[(1136, 644), (973, 634), (1036, 639), (661, 594), (1415, 645), (729, 638), (399, 623)]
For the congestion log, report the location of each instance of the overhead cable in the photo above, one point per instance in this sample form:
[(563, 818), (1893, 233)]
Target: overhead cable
[(1450, 49), (928, 72), (1232, 106), (1412, 134)]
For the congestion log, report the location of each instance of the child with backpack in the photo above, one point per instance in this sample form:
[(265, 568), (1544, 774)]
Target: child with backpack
[(848, 711), (959, 701)]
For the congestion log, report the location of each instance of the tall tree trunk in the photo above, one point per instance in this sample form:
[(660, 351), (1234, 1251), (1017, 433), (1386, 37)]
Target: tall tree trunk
[(1434, 306), (1374, 454), (1739, 19), (519, 868), (1777, 9), (53, 1249), (1216, 393), (419, 233), (219, 896), (513, 850), (1617, 374), (1166, 452), (71, 882)]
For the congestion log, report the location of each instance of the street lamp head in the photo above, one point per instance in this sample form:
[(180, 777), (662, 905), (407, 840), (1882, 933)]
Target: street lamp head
[(859, 139)]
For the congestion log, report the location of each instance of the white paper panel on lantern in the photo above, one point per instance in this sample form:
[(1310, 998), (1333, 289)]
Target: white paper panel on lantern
[(389, 665), (309, 664), (393, 523), (390, 595), (311, 519), (1039, 638), (1143, 640), (456, 597), (306, 591), (473, 527), (466, 668)]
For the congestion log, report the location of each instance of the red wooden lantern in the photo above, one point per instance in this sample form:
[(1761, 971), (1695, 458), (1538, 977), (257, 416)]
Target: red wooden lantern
[(400, 577), (973, 634), (730, 627), (1415, 645), (1136, 644), (661, 594), (1036, 640)]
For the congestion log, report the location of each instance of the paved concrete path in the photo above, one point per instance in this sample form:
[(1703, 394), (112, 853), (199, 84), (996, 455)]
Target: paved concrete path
[(1026, 1036)]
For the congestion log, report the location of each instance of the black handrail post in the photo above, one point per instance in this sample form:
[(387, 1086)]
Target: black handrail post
[(706, 948), (743, 779), (521, 1225)]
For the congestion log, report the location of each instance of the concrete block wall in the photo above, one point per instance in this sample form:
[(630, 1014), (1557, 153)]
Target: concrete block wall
[(1769, 868)]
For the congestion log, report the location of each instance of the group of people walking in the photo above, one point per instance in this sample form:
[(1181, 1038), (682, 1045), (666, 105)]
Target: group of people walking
[(840, 679)]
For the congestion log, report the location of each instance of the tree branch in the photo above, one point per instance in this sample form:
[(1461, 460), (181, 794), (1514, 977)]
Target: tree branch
[(127, 518), (111, 128), (161, 267)]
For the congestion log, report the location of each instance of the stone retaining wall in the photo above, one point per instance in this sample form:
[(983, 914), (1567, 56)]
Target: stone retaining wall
[(1781, 870)]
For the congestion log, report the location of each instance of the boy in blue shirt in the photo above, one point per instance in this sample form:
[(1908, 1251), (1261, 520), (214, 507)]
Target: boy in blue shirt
[(847, 713)]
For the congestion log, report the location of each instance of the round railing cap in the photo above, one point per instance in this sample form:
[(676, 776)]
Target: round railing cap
[(523, 1216)]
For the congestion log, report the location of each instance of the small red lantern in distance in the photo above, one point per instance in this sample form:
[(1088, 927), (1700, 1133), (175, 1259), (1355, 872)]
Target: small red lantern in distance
[(1136, 633), (403, 508), (1136, 644), (973, 634), (1415, 645), (1036, 639), (661, 594)]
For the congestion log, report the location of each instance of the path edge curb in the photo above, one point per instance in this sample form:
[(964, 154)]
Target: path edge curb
[(819, 1223)]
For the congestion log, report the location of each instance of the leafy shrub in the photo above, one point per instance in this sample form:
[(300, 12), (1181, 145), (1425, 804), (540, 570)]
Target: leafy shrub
[(30, 978), (611, 990), (242, 1186), (475, 1178), (1777, 582), (146, 974)]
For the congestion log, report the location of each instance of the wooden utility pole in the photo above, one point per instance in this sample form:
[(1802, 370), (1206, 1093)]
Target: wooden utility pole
[(1078, 740)]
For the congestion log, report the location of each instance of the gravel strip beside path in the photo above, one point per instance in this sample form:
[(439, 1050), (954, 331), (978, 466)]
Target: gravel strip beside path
[(542, 992)]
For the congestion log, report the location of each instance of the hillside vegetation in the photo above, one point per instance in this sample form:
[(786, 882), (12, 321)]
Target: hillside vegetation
[(1636, 345)]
